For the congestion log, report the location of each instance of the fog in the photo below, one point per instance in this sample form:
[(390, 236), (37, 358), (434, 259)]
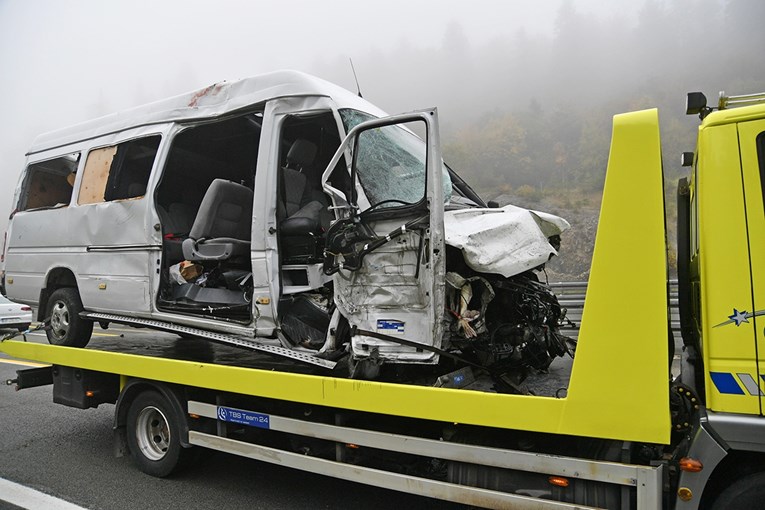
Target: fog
[(64, 62)]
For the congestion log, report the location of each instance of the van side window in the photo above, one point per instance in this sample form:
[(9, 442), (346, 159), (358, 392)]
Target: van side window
[(48, 183), (119, 171)]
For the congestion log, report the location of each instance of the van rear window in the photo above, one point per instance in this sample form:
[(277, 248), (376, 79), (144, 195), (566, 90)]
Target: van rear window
[(48, 183), (119, 171)]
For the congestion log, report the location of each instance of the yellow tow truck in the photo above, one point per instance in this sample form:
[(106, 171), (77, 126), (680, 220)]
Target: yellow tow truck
[(623, 433)]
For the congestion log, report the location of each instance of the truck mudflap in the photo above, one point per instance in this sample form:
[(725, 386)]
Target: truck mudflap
[(297, 355), (645, 480)]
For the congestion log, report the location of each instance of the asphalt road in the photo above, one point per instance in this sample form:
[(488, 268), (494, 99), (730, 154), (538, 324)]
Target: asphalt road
[(67, 453)]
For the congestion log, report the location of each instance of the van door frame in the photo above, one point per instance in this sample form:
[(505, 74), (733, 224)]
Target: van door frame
[(266, 265), (370, 312)]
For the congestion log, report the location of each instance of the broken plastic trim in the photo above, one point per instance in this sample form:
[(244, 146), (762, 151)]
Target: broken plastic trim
[(357, 235)]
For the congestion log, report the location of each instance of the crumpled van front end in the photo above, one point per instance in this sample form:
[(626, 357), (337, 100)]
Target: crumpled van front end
[(422, 271)]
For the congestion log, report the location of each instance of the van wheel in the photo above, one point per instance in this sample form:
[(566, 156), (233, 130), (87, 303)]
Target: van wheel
[(66, 325), (153, 435)]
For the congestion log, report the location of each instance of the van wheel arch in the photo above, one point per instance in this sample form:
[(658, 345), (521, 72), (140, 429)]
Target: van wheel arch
[(57, 278)]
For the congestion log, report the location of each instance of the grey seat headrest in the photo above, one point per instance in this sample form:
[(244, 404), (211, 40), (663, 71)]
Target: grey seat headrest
[(302, 153)]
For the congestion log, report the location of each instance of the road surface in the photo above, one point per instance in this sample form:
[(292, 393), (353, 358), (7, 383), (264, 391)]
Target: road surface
[(67, 453)]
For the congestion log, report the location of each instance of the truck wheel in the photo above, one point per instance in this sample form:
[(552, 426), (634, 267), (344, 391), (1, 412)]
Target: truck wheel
[(748, 492), (153, 435), (66, 325)]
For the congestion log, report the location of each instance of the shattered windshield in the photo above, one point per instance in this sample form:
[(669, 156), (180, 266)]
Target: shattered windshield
[(390, 162)]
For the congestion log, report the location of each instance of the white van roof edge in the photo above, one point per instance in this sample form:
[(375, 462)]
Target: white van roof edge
[(217, 99)]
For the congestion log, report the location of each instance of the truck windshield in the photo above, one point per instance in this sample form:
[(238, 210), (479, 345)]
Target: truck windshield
[(391, 163)]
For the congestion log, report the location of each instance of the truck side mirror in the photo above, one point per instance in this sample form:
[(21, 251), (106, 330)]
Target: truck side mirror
[(695, 103), (492, 204), (686, 159)]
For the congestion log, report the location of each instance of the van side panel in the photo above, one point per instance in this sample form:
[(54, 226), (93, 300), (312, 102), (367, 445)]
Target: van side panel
[(31, 252), (116, 253), (110, 247), (104, 245)]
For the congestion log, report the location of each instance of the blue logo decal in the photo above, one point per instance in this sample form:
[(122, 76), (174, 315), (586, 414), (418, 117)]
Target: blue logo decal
[(390, 327), (249, 418)]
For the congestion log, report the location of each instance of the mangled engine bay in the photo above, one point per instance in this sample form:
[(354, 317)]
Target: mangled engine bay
[(498, 319)]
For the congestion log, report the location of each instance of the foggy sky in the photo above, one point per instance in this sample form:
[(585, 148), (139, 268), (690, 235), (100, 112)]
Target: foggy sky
[(65, 62)]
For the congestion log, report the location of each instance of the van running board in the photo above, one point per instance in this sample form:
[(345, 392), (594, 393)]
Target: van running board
[(210, 335)]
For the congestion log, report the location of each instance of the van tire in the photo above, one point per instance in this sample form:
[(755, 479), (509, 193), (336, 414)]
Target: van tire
[(66, 326)]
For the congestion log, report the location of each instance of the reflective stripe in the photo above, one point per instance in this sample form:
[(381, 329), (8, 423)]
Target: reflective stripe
[(750, 384), (726, 383)]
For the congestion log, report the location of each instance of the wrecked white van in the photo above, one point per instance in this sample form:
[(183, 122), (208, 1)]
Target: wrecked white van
[(284, 214)]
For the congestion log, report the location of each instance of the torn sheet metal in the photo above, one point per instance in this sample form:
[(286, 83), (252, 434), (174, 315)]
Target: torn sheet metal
[(506, 241)]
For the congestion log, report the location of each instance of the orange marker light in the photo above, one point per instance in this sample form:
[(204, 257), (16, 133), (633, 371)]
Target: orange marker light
[(558, 480), (691, 465), (684, 493), (89, 393)]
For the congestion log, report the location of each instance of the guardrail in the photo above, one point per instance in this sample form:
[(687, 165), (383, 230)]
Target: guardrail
[(571, 296)]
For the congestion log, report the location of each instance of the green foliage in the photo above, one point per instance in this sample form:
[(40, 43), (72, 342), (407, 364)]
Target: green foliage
[(530, 193)]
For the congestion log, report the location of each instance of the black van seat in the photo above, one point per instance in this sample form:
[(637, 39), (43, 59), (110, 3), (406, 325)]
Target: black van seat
[(302, 206), (221, 229), (177, 220)]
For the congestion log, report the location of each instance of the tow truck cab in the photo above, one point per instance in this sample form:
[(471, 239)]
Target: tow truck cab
[(721, 276), (722, 257)]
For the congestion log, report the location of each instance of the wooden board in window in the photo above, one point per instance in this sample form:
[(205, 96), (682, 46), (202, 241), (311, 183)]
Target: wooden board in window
[(95, 175)]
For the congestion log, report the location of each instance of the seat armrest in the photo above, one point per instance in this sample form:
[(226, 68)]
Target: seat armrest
[(220, 248)]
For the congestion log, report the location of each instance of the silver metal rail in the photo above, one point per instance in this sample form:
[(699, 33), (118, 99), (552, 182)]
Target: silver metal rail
[(646, 480), (571, 296)]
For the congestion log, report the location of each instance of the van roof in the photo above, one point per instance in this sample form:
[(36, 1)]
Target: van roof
[(217, 99)]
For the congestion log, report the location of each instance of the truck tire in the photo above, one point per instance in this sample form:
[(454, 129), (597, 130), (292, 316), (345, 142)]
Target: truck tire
[(748, 492), (66, 326), (153, 435)]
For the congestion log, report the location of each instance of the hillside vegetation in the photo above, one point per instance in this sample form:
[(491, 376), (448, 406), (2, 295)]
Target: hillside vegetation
[(546, 150)]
